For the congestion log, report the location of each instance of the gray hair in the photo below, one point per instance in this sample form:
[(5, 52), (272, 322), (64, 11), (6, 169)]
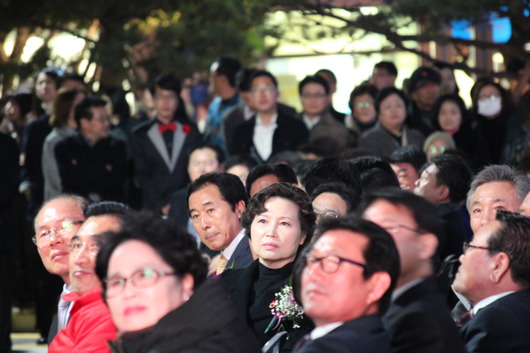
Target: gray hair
[(500, 173)]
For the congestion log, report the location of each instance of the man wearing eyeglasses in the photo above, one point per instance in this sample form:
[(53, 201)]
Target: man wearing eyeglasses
[(418, 318), (55, 224), (494, 277), (344, 283), (90, 325)]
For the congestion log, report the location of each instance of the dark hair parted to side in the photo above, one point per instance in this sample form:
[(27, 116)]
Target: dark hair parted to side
[(349, 196), (380, 255), (263, 73), (332, 169), (388, 66), (229, 185), (409, 154), (228, 67), (319, 80), (386, 92), (82, 109), (176, 247), (286, 191), (219, 153), (513, 238), (105, 208), (283, 172), (166, 82), (375, 173), (423, 212), (453, 172)]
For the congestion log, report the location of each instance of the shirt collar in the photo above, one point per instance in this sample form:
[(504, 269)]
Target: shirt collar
[(487, 301), (324, 330), (229, 250)]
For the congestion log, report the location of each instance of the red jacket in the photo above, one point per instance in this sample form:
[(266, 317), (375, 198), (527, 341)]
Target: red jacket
[(90, 326)]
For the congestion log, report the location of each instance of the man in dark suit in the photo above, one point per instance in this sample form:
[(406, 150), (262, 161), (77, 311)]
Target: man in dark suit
[(418, 318), (269, 131), (344, 284), (216, 202), (159, 146), (494, 277)]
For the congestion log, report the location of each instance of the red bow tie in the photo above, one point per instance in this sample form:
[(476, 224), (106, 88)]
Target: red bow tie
[(172, 126)]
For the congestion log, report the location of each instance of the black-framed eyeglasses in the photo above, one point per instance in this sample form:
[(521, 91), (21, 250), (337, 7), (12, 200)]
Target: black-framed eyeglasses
[(329, 263), (466, 246), (142, 278)]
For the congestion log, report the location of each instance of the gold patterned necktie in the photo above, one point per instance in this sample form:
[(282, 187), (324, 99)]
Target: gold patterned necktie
[(221, 264)]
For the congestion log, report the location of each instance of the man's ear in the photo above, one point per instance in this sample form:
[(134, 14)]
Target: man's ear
[(443, 192), (187, 283), (240, 208), (428, 245), (380, 282), (500, 266)]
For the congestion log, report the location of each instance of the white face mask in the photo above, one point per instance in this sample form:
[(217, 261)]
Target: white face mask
[(489, 106)]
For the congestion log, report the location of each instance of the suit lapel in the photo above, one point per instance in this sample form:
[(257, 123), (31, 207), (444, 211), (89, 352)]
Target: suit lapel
[(178, 141), (157, 140)]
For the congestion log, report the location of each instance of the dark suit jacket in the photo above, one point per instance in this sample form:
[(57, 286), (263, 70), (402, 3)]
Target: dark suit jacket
[(289, 134), (382, 143), (363, 335), (419, 321), (158, 175), (242, 256), (502, 326), (252, 296)]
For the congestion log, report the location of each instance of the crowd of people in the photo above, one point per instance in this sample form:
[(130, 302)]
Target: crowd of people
[(401, 227)]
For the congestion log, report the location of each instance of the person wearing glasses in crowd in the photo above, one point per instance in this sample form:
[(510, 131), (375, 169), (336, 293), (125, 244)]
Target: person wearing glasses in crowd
[(418, 318), (153, 283), (279, 221), (333, 200), (90, 325), (493, 275), (55, 224), (344, 282)]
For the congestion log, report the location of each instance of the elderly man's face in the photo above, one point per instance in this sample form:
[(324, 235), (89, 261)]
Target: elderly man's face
[(84, 249), (344, 294), (490, 198), (472, 278), (55, 225), (213, 218)]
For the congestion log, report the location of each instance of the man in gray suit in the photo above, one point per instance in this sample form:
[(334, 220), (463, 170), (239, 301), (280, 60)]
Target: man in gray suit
[(216, 202)]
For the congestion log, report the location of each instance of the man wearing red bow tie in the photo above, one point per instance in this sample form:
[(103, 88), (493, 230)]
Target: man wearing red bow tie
[(159, 146)]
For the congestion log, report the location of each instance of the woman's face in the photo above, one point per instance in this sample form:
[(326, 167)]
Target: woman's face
[(364, 109), (276, 233), (138, 308), (489, 101), (12, 111), (450, 117), (392, 112)]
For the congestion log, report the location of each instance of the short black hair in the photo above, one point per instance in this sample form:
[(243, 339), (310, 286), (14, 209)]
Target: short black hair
[(70, 76), (313, 79), (263, 73), (243, 79), (409, 154), (350, 197), (331, 169), (219, 153), (176, 247), (329, 73), (52, 73), (166, 82), (256, 206), (104, 208), (385, 92), (388, 66), (228, 67), (283, 172), (423, 212), (230, 186), (453, 172), (365, 88), (380, 254), (83, 108), (375, 173), (513, 239)]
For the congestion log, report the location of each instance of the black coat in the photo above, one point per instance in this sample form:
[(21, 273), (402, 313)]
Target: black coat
[(100, 169), (363, 335), (208, 322), (500, 327), (288, 136), (159, 177), (419, 321)]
